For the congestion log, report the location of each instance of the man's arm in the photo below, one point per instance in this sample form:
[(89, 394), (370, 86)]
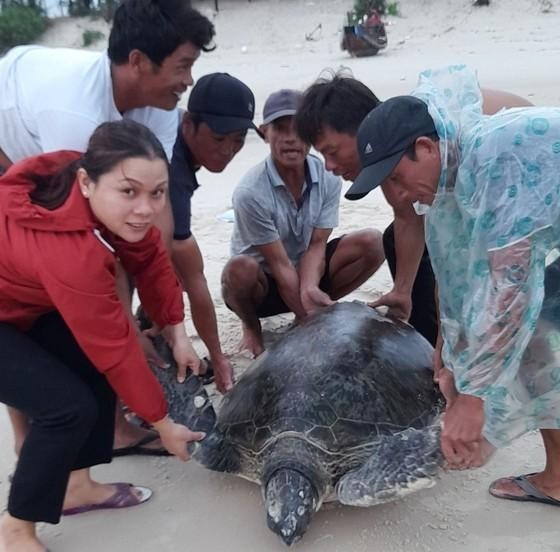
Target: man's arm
[(189, 266), (409, 247), (285, 275), (165, 224), (494, 100), (311, 269), (5, 163)]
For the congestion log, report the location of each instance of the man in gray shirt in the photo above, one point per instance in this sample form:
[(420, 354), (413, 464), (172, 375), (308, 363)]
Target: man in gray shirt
[(285, 210)]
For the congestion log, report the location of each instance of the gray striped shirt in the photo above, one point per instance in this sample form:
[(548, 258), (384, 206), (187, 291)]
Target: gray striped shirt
[(265, 210)]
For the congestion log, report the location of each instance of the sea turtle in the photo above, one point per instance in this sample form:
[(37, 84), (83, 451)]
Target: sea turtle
[(343, 407)]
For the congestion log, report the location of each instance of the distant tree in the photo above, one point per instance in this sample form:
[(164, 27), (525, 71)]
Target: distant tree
[(20, 23), (365, 7)]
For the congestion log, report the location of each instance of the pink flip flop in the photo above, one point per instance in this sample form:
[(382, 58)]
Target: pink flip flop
[(122, 498)]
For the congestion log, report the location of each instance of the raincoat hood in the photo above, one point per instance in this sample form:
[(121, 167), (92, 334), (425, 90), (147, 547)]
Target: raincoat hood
[(454, 101), (16, 185)]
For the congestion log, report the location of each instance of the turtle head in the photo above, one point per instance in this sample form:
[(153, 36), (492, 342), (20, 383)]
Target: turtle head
[(291, 500)]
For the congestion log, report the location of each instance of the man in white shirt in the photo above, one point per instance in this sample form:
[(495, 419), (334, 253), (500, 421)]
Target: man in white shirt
[(53, 98)]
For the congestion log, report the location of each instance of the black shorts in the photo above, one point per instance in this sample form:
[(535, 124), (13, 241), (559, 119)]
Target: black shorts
[(274, 304)]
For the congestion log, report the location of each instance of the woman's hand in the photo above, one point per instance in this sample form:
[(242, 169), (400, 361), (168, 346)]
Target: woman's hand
[(175, 437), (183, 352)]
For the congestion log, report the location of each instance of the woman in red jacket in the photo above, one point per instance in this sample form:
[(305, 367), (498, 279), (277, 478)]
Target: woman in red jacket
[(67, 345)]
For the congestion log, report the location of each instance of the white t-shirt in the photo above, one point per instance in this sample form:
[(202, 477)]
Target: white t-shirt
[(53, 99)]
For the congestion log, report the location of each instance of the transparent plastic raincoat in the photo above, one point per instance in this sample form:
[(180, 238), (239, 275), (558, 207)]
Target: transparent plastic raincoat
[(493, 233)]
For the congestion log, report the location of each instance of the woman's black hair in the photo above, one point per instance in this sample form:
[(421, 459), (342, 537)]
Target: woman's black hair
[(110, 144)]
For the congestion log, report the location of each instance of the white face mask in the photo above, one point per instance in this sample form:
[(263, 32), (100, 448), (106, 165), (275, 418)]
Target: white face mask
[(420, 208)]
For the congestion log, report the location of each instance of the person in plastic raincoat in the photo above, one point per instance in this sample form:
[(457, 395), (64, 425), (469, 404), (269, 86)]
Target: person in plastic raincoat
[(489, 186)]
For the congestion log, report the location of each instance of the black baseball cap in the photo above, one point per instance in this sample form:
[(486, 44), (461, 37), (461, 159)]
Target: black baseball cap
[(383, 137), (223, 102)]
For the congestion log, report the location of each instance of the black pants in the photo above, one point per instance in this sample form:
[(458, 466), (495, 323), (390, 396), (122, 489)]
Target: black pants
[(46, 376), (424, 314)]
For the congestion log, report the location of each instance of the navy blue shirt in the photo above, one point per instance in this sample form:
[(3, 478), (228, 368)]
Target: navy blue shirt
[(182, 184)]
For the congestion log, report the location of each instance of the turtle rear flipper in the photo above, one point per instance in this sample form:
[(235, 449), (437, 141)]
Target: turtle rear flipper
[(401, 464)]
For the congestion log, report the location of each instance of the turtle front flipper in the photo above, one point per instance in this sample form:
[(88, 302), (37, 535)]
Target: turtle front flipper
[(401, 464)]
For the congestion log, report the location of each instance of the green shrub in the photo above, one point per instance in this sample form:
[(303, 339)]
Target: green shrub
[(89, 37), (362, 9), (393, 8), (20, 25)]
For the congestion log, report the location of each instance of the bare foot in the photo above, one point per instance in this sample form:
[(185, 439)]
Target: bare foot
[(17, 535), (127, 434), (507, 487), (252, 341)]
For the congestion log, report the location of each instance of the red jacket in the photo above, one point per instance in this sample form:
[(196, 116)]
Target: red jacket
[(56, 260)]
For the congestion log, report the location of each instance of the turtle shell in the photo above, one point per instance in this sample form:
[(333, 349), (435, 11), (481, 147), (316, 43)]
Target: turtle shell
[(336, 381)]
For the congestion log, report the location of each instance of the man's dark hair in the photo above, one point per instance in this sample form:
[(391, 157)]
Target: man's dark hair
[(336, 100), (157, 28), (196, 118)]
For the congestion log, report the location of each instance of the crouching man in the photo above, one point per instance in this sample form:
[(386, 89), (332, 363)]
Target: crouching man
[(285, 210)]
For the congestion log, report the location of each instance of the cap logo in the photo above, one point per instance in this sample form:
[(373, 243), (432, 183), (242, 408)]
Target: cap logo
[(250, 106), (368, 148)]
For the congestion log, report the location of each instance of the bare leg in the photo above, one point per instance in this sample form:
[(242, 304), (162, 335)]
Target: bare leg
[(17, 535), (127, 434), (548, 480), (243, 288), (356, 258)]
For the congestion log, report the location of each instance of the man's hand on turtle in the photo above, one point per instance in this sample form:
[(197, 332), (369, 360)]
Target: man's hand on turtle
[(400, 304), (223, 372), (461, 435), (313, 299), (183, 352)]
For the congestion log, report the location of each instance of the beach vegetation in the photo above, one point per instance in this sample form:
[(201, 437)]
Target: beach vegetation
[(90, 36), (363, 8), (20, 23)]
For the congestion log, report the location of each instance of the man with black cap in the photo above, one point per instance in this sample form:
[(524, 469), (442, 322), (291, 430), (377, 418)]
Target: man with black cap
[(212, 131), (328, 117), (489, 188), (285, 210)]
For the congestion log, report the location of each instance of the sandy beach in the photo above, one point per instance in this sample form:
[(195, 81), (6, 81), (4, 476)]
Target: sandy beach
[(514, 45)]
